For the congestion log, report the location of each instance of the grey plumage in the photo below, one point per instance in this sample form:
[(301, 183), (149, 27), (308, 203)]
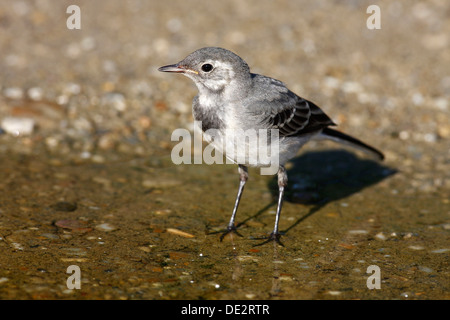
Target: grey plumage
[(231, 97)]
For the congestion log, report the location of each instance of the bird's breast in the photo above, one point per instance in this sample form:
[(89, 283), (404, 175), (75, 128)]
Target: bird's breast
[(210, 118)]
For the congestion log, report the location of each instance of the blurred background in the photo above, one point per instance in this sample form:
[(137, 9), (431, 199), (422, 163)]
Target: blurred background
[(86, 119), (98, 87)]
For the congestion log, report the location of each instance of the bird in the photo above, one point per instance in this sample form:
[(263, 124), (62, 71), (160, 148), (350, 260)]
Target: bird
[(230, 97)]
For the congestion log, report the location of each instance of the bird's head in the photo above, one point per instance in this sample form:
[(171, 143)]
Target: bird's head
[(212, 69)]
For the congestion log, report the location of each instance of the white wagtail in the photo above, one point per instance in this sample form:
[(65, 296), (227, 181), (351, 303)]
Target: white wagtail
[(230, 97)]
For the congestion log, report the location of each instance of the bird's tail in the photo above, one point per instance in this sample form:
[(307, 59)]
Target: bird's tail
[(353, 142)]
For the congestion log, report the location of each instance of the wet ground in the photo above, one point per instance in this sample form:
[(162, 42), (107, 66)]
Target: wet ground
[(86, 176)]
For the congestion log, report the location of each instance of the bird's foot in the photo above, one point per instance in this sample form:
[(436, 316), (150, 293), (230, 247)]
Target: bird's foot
[(275, 237), (230, 229)]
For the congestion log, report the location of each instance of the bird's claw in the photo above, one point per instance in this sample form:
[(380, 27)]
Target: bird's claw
[(275, 237), (230, 229)]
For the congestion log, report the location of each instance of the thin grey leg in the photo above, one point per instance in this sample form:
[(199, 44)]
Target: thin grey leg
[(243, 177), (282, 183)]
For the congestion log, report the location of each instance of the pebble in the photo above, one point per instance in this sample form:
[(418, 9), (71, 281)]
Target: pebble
[(180, 233), (425, 269), (358, 231), (74, 251), (64, 206), (105, 227), (440, 250), (245, 258), (351, 87), (331, 82), (441, 103), (72, 88), (116, 100), (16, 245), (160, 183), (74, 225), (416, 247), (405, 294), (108, 141), (174, 25), (50, 236), (334, 293), (35, 93), (18, 126), (380, 236), (13, 93)]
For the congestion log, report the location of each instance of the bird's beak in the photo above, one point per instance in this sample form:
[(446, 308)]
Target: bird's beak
[(172, 68), (177, 68)]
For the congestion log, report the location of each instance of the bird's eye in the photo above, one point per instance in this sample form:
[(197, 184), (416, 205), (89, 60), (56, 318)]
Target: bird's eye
[(207, 67)]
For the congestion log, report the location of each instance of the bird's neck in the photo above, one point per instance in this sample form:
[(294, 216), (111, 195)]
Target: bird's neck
[(232, 92)]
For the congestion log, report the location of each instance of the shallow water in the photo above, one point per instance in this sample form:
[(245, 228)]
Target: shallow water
[(119, 223)]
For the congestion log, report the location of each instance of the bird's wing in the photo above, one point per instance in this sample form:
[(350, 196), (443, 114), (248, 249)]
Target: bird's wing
[(282, 109), (299, 118)]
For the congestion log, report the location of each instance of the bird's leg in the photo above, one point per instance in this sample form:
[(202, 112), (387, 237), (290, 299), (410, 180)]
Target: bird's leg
[(243, 177), (282, 183)]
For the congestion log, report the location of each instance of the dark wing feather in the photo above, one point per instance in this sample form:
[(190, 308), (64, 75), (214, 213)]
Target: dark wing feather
[(300, 118)]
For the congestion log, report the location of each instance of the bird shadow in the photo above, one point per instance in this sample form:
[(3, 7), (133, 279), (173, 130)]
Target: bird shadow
[(318, 178)]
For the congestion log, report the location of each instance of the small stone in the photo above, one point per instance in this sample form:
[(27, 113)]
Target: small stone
[(331, 82), (444, 132), (334, 293), (351, 87), (88, 43), (98, 158), (425, 269), (358, 231), (144, 122), (380, 236), (72, 88), (107, 141), (74, 225), (417, 99), (416, 247), (13, 93), (116, 100), (174, 25), (430, 137), (405, 294), (105, 227), (16, 245), (50, 236), (17, 125), (180, 233), (64, 206), (74, 251), (160, 183), (440, 250), (441, 103), (35, 93)]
